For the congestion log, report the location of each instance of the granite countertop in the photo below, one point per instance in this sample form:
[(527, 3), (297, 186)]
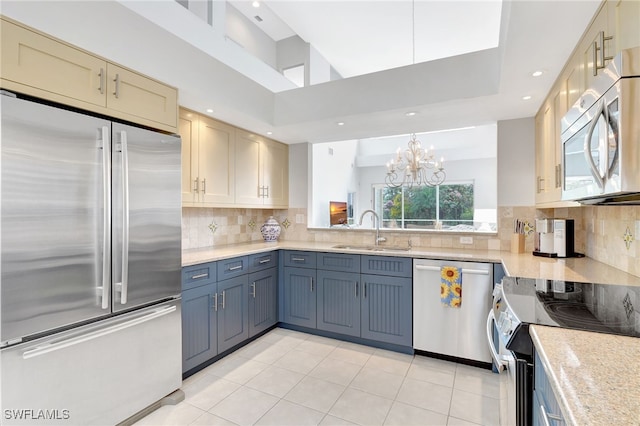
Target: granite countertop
[(595, 376), (523, 265)]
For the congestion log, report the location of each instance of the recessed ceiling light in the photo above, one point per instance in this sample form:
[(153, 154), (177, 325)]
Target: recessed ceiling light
[(537, 73), (269, 133), (256, 4), (209, 110), (410, 113), (340, 123), (526, 98)]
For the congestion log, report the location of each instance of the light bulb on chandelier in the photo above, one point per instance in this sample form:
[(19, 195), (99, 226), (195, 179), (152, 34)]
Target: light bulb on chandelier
[(415, 166)]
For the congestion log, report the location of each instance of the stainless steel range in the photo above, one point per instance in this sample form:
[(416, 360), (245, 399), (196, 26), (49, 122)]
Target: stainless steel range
[(519, 302)]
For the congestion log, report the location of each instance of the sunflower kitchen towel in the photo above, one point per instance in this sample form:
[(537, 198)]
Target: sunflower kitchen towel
[(451, 286)]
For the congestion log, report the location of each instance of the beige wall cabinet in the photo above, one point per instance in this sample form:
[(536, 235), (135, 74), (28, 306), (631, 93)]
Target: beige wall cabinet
[(208, 159), (624, 23), (262, 171), (38, 65)]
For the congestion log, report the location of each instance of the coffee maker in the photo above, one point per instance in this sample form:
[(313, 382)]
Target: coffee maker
[(554, 238)]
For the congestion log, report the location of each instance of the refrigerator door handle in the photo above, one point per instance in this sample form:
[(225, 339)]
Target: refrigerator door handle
[(125, 218), (106, 225), (72, 341)]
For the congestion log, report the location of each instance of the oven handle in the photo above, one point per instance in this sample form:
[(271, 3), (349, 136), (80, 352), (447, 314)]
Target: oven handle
[(500, 363)]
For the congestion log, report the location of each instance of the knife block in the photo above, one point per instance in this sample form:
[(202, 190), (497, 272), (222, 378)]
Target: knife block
[(517, 243)]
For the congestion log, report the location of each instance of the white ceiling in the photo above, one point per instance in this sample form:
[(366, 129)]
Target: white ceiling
[(362, 36), (162, 39)]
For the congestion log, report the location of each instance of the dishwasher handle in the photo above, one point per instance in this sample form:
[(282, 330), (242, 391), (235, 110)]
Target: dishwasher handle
[(464, 270)]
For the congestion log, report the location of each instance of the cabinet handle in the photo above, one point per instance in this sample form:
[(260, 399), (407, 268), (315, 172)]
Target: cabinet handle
[(215, 302), (364, 292), (559, 176), (116, 93), (594, 54), (223, 298), (263, 261), (311, 280), (101, 75), (297, 259), (540, 184), (253, 289), (266, 188), (235, 268), (204, 185), (196, 185), (196, 277), (596, 49), (356, 290)]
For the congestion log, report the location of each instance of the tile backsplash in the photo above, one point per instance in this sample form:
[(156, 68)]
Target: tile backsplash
[(608, 234)]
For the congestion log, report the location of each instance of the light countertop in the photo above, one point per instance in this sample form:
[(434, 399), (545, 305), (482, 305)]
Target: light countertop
[(516, 265), (595, 377)]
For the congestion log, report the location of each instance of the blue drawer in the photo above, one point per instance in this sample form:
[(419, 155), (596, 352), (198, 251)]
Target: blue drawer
[(300, 259), (233, 267), (198, 275), (386, 265), (339, 262), (258, 262)]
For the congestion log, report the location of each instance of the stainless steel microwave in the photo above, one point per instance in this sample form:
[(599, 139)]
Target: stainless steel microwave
[(601, 137)]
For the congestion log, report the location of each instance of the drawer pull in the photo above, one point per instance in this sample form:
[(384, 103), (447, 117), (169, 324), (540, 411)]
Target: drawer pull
[(197, 277), (464, 270), (265, 261), (235, 268), (297, 259)]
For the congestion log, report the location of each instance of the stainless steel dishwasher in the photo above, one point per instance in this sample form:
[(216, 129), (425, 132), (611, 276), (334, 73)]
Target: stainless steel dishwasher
[(458, 332)]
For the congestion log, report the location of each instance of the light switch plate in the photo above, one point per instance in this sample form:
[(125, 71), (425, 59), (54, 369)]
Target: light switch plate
[(466, 240)]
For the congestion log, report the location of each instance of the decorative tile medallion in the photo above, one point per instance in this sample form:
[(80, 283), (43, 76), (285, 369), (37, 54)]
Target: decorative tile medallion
[(252, 224), (213, 227), (528, 228), (286, 223), (628, 238), (628, 307)]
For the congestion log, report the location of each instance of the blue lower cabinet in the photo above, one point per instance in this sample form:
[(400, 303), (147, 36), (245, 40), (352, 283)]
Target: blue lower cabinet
[(199, 326), (299, 297), (233, 324), (338, 302), (263, 294), (387, 309)]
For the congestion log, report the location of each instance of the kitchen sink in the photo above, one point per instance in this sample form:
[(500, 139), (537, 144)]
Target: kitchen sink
[(370, 248)]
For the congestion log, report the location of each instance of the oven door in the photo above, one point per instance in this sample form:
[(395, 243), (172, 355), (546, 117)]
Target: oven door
[(590, 158), (505, 363)]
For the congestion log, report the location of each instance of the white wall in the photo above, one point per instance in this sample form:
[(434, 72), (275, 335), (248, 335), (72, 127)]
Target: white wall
[(299, 182), (516, 162), (250, 37), (333, 177)]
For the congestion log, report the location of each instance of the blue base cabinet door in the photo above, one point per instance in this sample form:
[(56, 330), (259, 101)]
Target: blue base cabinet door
[(387, 309), (199, 326), (263, 295), (232, 312), (338, 302), (299, 297)]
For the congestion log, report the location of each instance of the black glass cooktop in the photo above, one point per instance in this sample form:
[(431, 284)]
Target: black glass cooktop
[(603, 308)]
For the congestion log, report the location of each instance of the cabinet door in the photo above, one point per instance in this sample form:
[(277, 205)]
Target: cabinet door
[(248, 188), (299, 297), (50, 69), (624, 24), (387, 309), (232, 312), (139, 96), (188, 128), (275, 173), (592, 46), (545, 154), (199, 327), (216, 162), (338, 302), (263, 296)]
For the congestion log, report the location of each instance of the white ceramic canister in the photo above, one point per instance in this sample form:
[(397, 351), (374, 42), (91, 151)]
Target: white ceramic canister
[(270, 230)]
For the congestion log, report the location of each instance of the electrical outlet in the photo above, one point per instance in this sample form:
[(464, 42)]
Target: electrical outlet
[(240, 220), (466, 240)]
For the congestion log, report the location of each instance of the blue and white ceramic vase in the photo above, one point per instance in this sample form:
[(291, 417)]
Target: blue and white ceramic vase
[(270, 230)]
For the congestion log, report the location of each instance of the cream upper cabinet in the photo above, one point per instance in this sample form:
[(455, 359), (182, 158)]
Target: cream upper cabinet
[(42, 66), (140, 96), (36, 64), (208, 158), (597, 46), (262, 171), (545, 154), (624, 23)]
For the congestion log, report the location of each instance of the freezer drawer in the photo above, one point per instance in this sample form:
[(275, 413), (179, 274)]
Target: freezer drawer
[(97, 374), (459, 332)]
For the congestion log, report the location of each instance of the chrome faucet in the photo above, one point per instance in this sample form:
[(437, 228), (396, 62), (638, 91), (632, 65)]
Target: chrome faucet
[(379, 239)]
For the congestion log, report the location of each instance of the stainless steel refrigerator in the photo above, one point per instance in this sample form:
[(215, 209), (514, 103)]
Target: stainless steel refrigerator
[(90, 266)]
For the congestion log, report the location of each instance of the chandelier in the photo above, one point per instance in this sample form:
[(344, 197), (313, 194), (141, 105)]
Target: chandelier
[(414, 166)]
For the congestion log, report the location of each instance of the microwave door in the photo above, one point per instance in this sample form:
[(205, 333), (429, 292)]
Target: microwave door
[(612, 144)]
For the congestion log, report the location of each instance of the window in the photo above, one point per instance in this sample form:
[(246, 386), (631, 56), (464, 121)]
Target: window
[(448, 206)]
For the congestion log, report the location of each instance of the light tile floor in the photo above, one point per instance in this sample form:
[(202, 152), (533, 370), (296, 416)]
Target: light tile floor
[(291, 378)]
